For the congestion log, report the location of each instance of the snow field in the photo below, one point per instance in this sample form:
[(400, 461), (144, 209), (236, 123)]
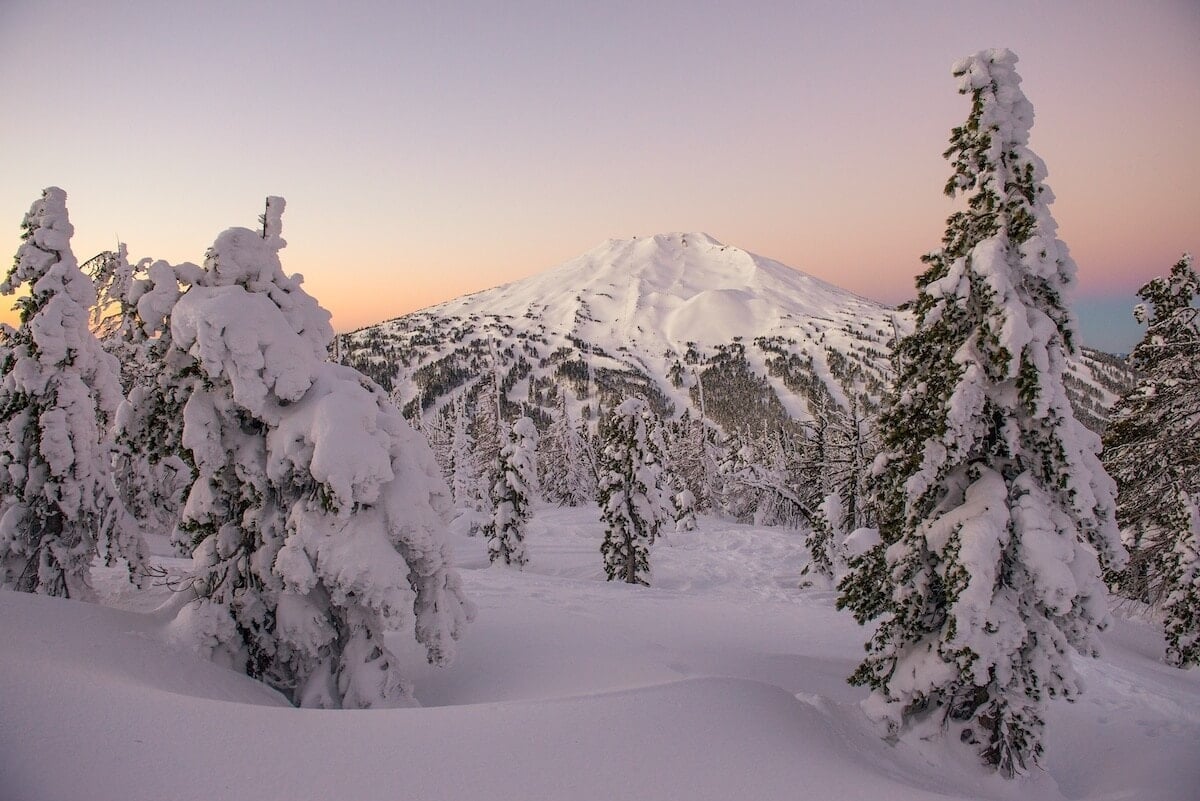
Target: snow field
[(722, 680)]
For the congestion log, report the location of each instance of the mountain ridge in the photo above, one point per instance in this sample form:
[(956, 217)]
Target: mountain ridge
[(682, 275), (689, 321)]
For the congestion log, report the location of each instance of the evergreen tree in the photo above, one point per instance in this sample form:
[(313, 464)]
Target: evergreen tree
[(582, 477), (688, 457), (825, 535), (463, 469), (850, 448), (993, 506), (770, 479), (847, 452), (553, 450), (516, 480), (316, 512), (437, 433), (685, 510), (566, 470), (58, 394), (152, 470), (114, 318), (634, 493), (486, 434), (1152, 450)]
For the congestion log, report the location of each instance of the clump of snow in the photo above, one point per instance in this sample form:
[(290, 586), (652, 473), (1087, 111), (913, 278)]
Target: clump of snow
[(859, 541)]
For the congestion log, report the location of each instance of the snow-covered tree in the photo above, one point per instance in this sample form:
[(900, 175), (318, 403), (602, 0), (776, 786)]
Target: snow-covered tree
[(689, 455), (512, 494), (1152, 450), (463, 469), (583, 478), (768, 478), (635, 502), (114, 316), (685, 510), (994, 511), (317, 511), (827, 530), (152, 470), (567, 474), (486, 434), (847, 449), (58, 394)]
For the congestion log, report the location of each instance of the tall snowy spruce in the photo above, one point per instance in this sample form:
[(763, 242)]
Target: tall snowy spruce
[(512, 493), (461, 462), (994, 511), (635, 496), (58, 395), (317, 510), (1152, 449)]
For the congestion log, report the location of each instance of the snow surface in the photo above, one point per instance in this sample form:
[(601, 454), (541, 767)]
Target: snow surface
[(667, 289), (721, 681)]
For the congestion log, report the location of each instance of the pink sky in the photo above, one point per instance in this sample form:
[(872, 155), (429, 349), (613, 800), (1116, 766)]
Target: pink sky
[(432, 149)]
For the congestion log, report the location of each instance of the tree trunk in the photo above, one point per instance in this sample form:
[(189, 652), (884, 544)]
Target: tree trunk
[(630, 561)]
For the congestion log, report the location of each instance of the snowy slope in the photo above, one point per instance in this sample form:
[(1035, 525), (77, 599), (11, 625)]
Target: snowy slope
[(650, 315), (723, 680), (660, 291)]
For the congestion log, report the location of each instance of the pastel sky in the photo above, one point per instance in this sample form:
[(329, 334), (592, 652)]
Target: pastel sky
[(429, 149)]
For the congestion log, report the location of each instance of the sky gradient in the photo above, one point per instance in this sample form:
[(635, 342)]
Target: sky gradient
[(431, 149)]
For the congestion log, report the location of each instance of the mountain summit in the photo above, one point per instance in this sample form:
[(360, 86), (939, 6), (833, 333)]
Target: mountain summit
[(681, 318), (668, 289)]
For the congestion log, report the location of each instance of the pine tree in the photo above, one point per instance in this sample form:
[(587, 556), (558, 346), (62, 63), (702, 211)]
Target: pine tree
[(58, 395), (566, 471), (553, 454), (688, 457), (114, 315), (516, 480), (463, 469), (769, 479), (1152, 450), (825, 534), (685, 510), (486, 425), (152, 470), (850, 449), (317, 510), (846, 456), (635, 501), (993, 506), (582, 478)]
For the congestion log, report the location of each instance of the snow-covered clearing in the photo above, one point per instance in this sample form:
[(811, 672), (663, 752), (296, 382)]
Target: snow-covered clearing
[(723, 680)]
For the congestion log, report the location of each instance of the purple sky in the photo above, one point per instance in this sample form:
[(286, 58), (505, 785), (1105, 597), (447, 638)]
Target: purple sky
[(429, 149)]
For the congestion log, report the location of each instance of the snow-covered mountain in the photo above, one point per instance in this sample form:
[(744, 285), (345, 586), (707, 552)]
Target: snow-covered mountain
[(663, 290), (682, 318)]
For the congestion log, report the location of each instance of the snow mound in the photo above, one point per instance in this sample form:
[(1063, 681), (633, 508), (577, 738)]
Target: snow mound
[(720, 314), (103, 673), (54, 648)]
